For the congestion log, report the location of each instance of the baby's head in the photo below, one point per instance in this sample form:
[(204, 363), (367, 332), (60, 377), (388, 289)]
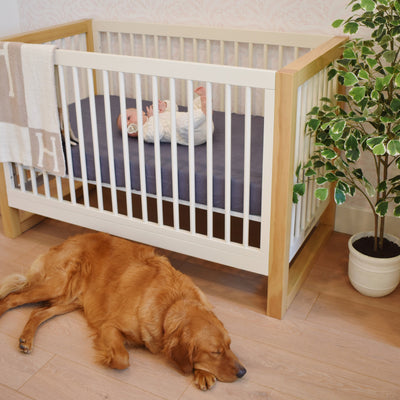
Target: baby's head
[(131, 121)]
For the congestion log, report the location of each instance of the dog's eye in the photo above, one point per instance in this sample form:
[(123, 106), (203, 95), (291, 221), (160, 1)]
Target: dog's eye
[(216, 353)]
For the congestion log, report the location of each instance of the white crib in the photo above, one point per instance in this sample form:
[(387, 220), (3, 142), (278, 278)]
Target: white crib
[(264, 83)]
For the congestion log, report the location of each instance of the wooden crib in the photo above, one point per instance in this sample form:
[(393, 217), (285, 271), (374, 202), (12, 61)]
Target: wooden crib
[(227, 201)]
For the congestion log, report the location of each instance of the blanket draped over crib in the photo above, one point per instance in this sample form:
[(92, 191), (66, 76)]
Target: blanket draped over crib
[(29, 122)]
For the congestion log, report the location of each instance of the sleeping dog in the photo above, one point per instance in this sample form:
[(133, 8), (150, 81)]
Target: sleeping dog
[(128, 294)]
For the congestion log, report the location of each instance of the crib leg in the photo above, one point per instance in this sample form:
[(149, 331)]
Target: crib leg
[(284, 283)]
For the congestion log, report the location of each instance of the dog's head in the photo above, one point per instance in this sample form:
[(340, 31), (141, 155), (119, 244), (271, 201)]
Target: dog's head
[(197, 340)]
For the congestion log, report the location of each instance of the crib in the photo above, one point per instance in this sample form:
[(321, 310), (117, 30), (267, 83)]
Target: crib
[(227, 201)]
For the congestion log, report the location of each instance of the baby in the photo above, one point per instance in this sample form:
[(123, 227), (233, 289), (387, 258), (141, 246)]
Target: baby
[(164, 121)]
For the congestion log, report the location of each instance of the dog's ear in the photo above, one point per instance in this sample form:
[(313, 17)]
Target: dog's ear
[(181, 354)]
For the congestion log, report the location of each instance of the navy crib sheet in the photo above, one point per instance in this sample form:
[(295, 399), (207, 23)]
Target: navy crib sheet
[(237, 159)]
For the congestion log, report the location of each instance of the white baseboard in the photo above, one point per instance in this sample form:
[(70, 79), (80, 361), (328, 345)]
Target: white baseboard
[(352, 220)]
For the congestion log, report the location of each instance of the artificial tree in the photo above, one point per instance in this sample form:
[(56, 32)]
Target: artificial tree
[(365, 118)]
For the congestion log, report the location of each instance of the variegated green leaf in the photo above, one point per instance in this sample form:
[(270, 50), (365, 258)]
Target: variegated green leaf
[(328, 154), (350, 28), (337, 23), (382, 208), (368, 5), (369, 188), (350, 79), (379, 150), (363, 74), (393, 147), (397, 80), (299, 188), (395, 104), (321, 193), (314, 124), (349, 54), (389, 55), (357, 93), (340, 196), (371, 62)]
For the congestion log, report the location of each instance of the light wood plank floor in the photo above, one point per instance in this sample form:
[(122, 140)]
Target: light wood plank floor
[(332, 344)]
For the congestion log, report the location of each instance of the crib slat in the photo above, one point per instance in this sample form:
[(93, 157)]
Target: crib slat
[(157, 157), (209, 160), (125, 147), (308, 147), (267, 165), (183, 101), (280, 57), (59, 188), (146, 81), (192, 190), (246, 184), (61, 80), (169, 52), (228, 130), (109, 49), (21, 174), (93, 118), (46, 184), (251, 55), (296, 53), (195, 57), (156, 48), (132, 44), (235, 88), (120, 43), (80, 136), (222, 62), (34, 181), (142, 168), (174, 154), (265, 56), (110, 146), (306, 88), (299, 150)]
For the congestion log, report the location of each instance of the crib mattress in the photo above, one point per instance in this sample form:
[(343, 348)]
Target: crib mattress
[(237, 161)]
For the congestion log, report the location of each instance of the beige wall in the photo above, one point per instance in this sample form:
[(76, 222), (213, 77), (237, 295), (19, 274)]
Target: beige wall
[(277, 15)]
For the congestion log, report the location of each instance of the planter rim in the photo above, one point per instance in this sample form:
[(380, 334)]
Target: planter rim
[(382, 261)]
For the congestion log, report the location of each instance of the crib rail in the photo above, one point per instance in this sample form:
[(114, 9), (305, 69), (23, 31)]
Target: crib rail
[(240, 48), (63, 31)]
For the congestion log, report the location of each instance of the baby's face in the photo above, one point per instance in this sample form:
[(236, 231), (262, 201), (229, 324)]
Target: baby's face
[(131, 118)]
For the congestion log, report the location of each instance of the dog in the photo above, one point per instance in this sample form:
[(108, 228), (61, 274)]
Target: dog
[(128, 294)]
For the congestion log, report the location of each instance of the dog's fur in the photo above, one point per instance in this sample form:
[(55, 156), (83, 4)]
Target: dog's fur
[(128, 294)]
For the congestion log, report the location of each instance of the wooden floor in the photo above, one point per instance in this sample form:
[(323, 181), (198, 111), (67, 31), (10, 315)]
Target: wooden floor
[(332, 344)]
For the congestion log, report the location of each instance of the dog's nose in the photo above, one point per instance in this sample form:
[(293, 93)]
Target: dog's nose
[(241, 371)]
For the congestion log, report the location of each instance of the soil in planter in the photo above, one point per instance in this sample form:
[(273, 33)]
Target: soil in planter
[(365, 245)]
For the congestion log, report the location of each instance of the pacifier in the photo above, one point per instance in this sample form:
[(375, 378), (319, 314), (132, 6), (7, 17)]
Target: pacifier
[(132, 129)]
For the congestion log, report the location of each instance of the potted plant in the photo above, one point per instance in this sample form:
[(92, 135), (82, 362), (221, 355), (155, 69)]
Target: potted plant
[(365, 119)]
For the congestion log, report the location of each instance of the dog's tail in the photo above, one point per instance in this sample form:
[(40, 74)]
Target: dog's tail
[(12, 283)]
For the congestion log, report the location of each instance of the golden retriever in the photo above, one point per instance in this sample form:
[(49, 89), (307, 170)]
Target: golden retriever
[(128, 294)]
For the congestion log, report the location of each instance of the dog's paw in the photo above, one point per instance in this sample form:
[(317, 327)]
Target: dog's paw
[(25, 345), (204, 380)]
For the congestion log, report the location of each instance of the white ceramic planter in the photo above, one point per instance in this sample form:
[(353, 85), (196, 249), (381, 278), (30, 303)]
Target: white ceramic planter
[(372, 276)]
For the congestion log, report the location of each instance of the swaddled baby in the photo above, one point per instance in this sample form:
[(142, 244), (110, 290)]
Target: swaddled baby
[(164, 121)]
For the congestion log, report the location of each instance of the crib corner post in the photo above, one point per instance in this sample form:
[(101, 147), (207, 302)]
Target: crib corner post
[(282, 186)]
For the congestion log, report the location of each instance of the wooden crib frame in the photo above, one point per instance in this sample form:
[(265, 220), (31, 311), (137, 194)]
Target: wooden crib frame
[(284, 277)]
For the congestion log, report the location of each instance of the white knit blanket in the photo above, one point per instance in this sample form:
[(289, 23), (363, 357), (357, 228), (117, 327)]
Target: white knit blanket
[(29, 122)]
